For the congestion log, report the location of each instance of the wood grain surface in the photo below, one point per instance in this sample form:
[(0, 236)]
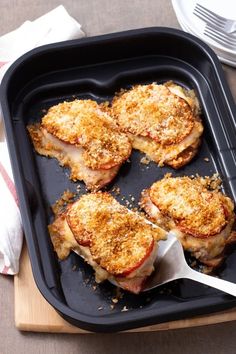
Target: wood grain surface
[(99, 17), (33, 313)]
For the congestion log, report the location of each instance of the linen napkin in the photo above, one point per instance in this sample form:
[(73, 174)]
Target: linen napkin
[(57, 25)]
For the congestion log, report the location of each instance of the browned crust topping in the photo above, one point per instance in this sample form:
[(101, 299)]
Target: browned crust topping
[(155, 111), (195, 210), (86, 123), (119, 240), (160, 120)]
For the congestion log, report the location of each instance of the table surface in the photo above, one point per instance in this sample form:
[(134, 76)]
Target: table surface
[(99, 17)]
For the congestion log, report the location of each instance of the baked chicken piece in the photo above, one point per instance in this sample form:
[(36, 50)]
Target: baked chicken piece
[(81, 135), (118, 243), (162, 121), (201, 218)]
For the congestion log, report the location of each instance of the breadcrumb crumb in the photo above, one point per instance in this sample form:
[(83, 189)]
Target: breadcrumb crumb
[(124, 309), (145, 160), (115, 300)]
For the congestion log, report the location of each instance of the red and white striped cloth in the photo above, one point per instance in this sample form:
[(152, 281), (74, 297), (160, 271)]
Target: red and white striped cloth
[(55, 26), (11, 234)]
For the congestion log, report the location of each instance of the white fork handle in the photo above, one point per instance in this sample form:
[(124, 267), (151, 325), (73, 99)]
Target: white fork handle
[(223, 285)]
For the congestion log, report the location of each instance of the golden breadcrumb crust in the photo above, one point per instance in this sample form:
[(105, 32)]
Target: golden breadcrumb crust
[(153, 110), (86, 123), (162, 121), (195, 209), (119, 240)]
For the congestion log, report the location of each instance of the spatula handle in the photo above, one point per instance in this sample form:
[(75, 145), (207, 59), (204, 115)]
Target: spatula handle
[(223, 285)]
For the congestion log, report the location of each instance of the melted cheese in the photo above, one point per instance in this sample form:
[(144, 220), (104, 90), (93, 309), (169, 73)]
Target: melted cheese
[(208, 250), (70, 156), (164, 154), (64, 241)]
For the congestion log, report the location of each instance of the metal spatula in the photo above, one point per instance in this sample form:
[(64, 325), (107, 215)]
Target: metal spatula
[(171, 265)]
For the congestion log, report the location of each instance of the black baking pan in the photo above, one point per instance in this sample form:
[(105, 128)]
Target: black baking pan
[(96, 68)]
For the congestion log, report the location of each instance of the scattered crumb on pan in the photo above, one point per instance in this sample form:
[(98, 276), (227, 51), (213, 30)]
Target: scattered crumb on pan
[(60, 204), (145, 160), (116, 190), (124, 309)]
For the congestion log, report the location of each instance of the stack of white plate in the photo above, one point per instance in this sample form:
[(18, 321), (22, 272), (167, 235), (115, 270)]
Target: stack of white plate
[(192, 24)]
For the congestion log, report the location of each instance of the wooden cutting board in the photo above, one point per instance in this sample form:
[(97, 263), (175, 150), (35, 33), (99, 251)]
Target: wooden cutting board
[(33, 313)]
